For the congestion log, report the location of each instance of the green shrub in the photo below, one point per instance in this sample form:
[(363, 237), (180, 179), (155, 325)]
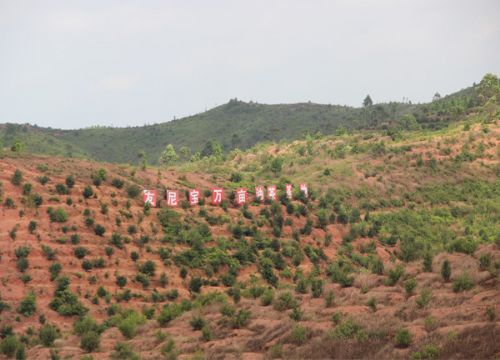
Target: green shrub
[(22, 264), (427, 263), (65, 302), (124, 351), (240, 318), (133, 191), (117, 183), (299, 335), (195, 284), (462, 283), (84, 325), (90, 341), (301, 286), (285, 301), (446, 270), (267, 297), (99, 230), (21, 353), (424, 298), (80, 252), (54, 270), (329, 298), (27, 307), (197, 322), (430, 324), (87, 192), (3, 306), (296, 314), (484, 261), (168, 313), (58, 215), (9, 345), (61, 189), (403, 338), (148, 268), (372, 304), (70, 181), (347, 329), (43, 179), (316, 287), (48, 334), (275, 351), (410, 286), (75, 239), (22, 252), (377, 266), (121, 281), (17, 177), (490, 313), (9, 203), (143, 279), (128, 326), (27, 187), (395, 274), (428, 352), (206, 333)]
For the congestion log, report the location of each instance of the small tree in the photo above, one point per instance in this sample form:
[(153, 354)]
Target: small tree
[(121, 281), (403, 338), (70, 181), (48, 334), (88, 192), (367, 101), (195, 284), (17, 178), (446, 270), (168, 156), (90, 341), (27, 307), (9, 345), (427, 261), (276, 165), (148, 268)]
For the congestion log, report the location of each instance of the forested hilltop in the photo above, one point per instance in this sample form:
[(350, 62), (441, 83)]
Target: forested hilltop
[(238, 124)]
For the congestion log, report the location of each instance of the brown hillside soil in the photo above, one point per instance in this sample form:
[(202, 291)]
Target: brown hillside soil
[(458, 324)]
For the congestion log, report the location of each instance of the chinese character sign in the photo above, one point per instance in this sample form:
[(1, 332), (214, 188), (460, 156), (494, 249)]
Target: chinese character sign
[(172, 198), (149, 197), (194, 197), (288, 191), (303, 188), (259, 193), (241, 197), (217, 196), (271, 192)]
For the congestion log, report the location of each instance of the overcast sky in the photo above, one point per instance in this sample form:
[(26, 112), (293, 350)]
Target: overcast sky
[(73, 64)]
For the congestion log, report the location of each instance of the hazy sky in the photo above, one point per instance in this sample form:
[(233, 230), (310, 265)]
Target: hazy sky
[(73, 64)]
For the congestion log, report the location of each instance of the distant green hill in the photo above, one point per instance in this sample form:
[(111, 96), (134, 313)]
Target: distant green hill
[(236, 124)]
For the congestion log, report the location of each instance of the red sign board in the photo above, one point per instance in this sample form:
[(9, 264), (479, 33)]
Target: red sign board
[(217, 196), (241, 197), (271, 192), (194, 197), (149, 197), (172, 198)]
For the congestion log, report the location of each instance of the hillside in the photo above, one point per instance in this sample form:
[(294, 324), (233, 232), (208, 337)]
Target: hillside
[(357, 270), (234, 125)]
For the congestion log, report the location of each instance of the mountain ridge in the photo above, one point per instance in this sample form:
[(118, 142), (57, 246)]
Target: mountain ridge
[(236, 124)]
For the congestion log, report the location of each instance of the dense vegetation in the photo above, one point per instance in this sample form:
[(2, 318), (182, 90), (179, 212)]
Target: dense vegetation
[(236, 125)]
